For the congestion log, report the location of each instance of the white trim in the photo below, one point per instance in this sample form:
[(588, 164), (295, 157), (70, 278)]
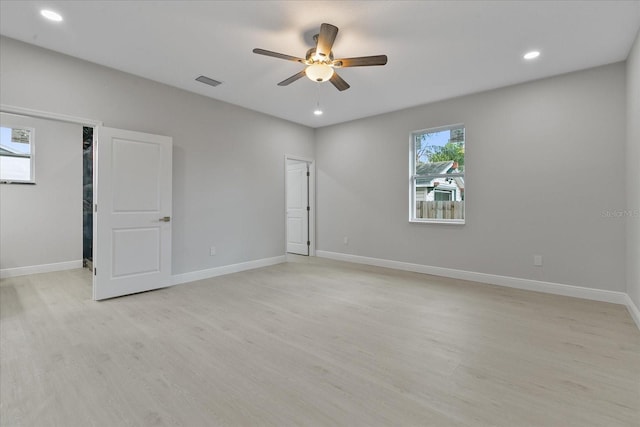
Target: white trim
[(312, 201), (439, 128), (298, 158), (192, 276), (42, 268), (14, 109), (437, 221), (510, 282), (633, 310)]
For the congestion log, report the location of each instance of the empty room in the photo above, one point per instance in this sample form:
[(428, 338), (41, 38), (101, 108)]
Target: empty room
[(320, 213)]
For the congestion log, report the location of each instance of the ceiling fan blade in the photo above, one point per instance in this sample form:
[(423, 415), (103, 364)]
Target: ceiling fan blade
[(338, 82), (278, 55), (326, 38), (292, 79), (362, 61)]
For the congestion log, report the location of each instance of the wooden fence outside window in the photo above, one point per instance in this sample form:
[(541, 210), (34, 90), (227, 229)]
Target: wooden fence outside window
[(440, 210)]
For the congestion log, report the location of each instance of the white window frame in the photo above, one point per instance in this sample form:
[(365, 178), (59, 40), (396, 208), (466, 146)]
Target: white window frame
[(413, 177), (32, 163)]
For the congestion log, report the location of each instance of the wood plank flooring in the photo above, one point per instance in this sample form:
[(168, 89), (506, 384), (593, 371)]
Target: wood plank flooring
[(313, 343)]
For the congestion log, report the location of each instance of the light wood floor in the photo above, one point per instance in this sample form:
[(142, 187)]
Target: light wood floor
[(313, 343)]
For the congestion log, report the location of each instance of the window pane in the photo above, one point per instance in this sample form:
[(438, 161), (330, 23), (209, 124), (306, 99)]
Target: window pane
[(15, 154), (15, 168), (439, 152)]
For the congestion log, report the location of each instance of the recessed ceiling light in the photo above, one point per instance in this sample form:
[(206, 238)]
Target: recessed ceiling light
[(531, 55), (51, 15), (317, 112)]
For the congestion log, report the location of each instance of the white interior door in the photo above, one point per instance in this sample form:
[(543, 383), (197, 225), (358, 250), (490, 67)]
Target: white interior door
[(132, 228), (297, 207)]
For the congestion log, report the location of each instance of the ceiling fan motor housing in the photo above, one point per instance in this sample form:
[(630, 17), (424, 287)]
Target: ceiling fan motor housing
[(312, 58)]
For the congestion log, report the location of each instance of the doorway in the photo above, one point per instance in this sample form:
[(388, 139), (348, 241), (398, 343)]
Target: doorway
[(299, 209), (87, 197), (41, 219)]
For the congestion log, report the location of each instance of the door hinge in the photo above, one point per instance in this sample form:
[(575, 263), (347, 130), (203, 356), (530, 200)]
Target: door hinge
[(96, 207), (95, 271), (308, 208), (308, 243), (308, 174)]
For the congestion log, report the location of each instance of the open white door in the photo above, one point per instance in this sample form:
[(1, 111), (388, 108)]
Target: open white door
[(132, 213), (297, 207)]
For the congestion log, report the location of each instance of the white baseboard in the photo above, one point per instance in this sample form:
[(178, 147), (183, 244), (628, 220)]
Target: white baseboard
[(226, 269), (633, 310), (42, 268), (511, 282)]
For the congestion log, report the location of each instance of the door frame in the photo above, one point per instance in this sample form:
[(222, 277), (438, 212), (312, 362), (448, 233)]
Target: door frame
[(13, 109), (312, 201)]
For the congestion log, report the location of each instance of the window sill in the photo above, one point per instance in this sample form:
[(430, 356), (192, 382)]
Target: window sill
[(8, 181), (438, 221)]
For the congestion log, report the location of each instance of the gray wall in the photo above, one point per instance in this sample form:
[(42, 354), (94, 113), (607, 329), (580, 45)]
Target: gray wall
[(544, 161), (633, 173), (42, 223), (556, 147), (228, 171)]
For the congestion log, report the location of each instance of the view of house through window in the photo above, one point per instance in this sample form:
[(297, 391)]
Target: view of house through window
[(16, 154), (437, 175)]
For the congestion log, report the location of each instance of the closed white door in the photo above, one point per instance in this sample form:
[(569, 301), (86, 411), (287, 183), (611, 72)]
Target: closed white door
[(297, 207), (132, 212)]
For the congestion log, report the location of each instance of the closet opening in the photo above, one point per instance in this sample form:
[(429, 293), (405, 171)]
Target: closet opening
[(87, 197)]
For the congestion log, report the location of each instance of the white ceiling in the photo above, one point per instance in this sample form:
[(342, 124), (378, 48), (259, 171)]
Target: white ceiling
[(436, 49)]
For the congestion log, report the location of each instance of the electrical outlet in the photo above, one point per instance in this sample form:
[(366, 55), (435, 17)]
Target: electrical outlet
[(346, 240), (537, 260), (212, 251)]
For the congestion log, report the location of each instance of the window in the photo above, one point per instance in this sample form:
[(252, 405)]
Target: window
[(437, 175), (16, 154)]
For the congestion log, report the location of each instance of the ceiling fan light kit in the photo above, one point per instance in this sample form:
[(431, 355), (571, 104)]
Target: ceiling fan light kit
[(319, 72), (319, 60)]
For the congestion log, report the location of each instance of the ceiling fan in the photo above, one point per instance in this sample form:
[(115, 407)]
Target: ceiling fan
[(319, 61)]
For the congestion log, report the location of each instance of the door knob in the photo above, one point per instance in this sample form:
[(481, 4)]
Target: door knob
[(165, 219)]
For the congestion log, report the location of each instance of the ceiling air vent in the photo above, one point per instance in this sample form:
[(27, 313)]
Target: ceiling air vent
[(208, 81)]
